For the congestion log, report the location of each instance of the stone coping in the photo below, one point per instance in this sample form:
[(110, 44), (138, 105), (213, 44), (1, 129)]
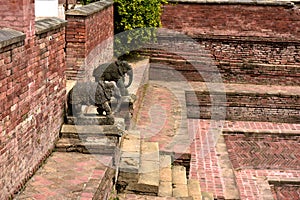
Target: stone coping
[(243, 2), (9, 36), (48, 24), (90, 9)]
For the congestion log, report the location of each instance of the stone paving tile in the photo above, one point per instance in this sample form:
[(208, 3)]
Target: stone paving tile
[(66, 176)]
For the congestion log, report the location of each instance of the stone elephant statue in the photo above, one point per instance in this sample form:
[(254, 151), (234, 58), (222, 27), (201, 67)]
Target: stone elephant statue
[(116, 72), (93, 93)]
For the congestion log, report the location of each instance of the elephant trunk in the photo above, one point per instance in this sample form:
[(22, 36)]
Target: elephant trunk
[(130, 74)]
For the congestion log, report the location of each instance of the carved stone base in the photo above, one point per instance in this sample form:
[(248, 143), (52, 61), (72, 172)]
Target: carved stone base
[(91, 120)]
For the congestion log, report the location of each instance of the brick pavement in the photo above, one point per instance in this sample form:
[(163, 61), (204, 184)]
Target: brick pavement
[(67, 176), (280, 192), (264, 151), (162, 117), (205, 162)]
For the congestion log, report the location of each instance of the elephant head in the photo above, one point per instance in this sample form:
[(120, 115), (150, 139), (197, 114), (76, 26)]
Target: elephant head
[(125, 68)]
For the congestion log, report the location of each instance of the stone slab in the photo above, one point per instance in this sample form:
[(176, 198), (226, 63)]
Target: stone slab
[(75, 131), (129, 164), (150, 178), (207, 196), (90, 120), (179, 175), (194, 189), (150, 151), (89, 146), (165, 169), (9, 36), (165, 174), (130, 143), (147, 166), (142, 189), (180, 190), (165, 189), (47, 24)]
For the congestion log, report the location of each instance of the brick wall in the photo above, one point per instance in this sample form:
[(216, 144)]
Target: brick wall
[(87, 38), (237, 33), (252, 49), (32, 86), (18, 15), (244, 18), (246, 106), (170, 67)]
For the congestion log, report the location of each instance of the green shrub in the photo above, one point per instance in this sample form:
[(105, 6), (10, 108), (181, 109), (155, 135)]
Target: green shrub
[(131, 14), (135, 15), (85, 2)]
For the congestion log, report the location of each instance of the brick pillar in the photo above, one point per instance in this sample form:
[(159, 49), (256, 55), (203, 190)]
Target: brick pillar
[(18, 15)]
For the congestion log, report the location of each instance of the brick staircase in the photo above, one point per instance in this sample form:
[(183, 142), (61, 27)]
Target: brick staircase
[(143, 170)]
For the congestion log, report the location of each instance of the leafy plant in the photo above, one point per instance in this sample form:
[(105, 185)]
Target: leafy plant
[(85, 2), (135, 15)]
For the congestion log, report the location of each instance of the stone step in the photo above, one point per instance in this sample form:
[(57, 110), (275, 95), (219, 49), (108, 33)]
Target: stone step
[(149, 167), (129, 162), (179, 181), (207, 196), (105, 145), (79, 131), (130, 152), (90, 120), (165, 176), (194, 189)]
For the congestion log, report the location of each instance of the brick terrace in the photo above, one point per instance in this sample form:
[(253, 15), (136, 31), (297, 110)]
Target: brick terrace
[(158, 115)]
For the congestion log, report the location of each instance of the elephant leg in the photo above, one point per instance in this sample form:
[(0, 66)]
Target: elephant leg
[(106, 108), (69, 109), (118, 107), (100, 110), (121, 86), (76, 109)]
